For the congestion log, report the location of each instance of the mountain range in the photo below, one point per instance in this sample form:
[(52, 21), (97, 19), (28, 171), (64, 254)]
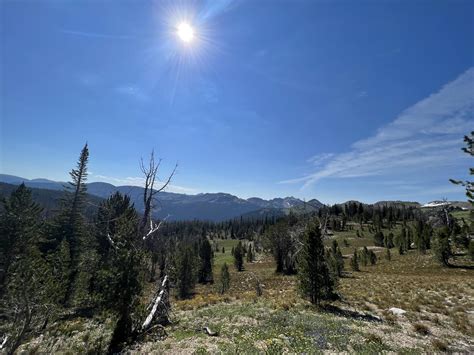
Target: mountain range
[(205, 206)]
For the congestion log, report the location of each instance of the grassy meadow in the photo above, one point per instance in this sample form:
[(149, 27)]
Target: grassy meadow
[(439, 305)]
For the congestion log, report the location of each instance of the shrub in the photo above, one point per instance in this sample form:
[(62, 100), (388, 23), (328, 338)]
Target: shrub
[(421, 329), (439, 345)]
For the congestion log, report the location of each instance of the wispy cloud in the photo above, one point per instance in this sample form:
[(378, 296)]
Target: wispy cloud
[(209, 92), (89, 79), (139, 181), (96, 35), (426, 135), (214, 8), (318, 159), (133, 91)]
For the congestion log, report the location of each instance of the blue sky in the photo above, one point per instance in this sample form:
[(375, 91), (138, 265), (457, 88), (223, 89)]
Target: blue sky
[(333, 100)]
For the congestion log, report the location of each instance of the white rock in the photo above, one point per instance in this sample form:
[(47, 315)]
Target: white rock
[(397, 311)]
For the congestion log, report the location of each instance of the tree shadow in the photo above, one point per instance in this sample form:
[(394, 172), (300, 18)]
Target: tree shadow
[(350, 314), (467, 267)]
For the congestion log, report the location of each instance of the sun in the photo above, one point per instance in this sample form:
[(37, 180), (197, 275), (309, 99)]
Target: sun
[(185, 32)]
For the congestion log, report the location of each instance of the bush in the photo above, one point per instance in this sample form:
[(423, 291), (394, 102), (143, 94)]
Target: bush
[(439, 345), (421, 329)]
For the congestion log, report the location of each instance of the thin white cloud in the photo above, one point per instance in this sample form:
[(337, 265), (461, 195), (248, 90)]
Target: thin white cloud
[(318, 159), (133, 91), (213, 8), (209, 92), (139, 181), (89, 79), (96, 35), (426, 135)]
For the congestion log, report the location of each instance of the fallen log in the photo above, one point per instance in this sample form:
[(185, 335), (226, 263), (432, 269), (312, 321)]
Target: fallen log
[(162, 294)]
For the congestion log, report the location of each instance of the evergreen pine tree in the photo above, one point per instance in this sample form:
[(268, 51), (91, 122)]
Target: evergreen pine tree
[(400, 250), (185, 272), (70, 223), (239, 257), (469, 185), (336, 260), (379, 239), (118, 281), (442, 247), (364, 257), (422, 239), (401, 241), (19, 221), (315, 281), (372, 257), (206, 259), (117, 242), (224, 282), (409, 239), (388, 240), (27, 285), (355, 262)]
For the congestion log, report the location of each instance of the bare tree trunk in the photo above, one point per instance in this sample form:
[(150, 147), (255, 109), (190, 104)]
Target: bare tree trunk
[(150, 172), (160, 305)]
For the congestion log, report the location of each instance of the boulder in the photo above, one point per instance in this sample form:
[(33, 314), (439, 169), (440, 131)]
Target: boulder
[(397, 311)]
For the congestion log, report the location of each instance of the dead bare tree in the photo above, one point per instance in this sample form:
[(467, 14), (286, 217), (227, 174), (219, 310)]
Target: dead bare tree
[(160, 306), (150, 172), (128, 330)]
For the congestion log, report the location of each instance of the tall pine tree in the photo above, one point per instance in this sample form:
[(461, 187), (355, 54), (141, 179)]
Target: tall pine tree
[(315, 281), (70, 225), (239, 257), (205, 260)]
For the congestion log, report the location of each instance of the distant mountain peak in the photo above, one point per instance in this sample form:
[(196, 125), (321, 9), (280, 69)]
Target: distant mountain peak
[(208, 206)]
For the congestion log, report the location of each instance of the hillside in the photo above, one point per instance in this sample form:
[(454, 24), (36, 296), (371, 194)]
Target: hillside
[(204, 206), (50, 199), (436, 303)]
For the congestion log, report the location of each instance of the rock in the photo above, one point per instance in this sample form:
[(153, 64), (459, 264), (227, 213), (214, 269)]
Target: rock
[(397, 311), (209, 332)]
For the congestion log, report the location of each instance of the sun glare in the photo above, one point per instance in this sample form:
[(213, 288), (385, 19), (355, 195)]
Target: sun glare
[(185, 32)]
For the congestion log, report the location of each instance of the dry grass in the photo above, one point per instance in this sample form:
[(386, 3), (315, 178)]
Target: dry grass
[(439, 304), (439, 345), (436, 299), (421, 329)]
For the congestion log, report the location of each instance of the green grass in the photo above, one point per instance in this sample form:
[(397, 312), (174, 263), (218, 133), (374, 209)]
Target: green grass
[(221, 258), (366, 238), (259, 327), (280, 321), (462, 214)]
